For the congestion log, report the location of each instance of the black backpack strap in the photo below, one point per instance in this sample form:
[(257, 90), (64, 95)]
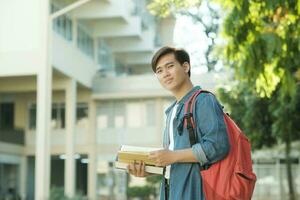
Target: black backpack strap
[(188, 121), (166, 184)]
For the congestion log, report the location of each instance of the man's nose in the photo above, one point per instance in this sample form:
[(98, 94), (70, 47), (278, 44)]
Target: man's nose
[(166, 73)]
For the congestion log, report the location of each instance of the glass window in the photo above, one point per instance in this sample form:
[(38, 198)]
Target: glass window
[(119, 114), (58, 115), (32, 116), (85, 42), (105, 57), (62, 24), (111, 114), (102, 122), (82, 115), (134, 114), (104, 115), (150, 113), (7, 115), (82, 111)]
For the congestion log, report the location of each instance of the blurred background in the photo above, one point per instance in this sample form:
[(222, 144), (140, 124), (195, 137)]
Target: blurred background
[(76, 83)]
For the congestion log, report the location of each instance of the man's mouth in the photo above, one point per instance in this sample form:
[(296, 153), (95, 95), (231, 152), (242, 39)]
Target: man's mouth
[(168, 81)]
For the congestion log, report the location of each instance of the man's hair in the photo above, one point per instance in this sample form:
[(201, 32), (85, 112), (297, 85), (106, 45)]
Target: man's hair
[(180, 55)]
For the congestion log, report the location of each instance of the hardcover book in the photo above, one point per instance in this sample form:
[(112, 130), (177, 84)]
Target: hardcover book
[(131, 154)]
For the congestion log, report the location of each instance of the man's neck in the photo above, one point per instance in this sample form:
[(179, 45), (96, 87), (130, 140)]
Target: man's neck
[(183, 90)]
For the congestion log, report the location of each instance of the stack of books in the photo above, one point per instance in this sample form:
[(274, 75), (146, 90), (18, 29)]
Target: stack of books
[(133, 154)]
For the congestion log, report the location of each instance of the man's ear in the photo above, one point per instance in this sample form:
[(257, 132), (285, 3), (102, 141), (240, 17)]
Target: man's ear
[(186, 67)]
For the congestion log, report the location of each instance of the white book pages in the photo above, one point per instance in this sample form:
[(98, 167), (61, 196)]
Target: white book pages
[(139, 149), (149, 169)]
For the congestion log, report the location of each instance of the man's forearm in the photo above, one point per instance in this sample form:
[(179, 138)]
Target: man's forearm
[(184, 155)]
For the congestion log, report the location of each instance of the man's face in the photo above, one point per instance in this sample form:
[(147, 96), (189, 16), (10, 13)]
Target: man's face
[(170, 73)]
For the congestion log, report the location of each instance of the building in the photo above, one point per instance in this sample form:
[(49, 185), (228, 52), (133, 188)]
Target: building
[(75, 84)]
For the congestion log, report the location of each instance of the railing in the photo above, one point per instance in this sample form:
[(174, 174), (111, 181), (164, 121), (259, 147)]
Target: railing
[(12, 136), (272, 181)]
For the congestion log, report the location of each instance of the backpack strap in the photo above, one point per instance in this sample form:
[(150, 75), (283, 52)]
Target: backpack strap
[(189, 122)]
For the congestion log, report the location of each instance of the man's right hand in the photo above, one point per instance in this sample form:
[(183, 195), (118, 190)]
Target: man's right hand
[(137, 169)]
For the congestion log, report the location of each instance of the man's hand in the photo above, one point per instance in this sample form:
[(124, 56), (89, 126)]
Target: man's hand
[(163, 157), (137, 169)]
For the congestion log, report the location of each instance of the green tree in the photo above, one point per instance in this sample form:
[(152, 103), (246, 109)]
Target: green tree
[(251, 113), (192, 9), (262, 46), (146, 191), (265, 120), (263, 49)]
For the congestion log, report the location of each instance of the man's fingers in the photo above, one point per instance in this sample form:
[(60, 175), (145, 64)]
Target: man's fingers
[(131, 169), (134, 167), (143, 168), (128, 168), (139, 169)]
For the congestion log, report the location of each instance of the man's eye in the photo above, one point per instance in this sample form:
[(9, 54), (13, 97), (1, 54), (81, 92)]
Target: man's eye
[(170, 66), (158, 71)]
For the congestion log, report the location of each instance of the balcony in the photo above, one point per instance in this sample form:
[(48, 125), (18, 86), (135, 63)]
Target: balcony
[(58, 137), (13, 136), (69, 60), (127, 87), (102, 10), (143, 86)]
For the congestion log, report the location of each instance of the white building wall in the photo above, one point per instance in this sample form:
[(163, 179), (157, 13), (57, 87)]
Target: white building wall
[(20, 37), (103, 9), (69, 60)]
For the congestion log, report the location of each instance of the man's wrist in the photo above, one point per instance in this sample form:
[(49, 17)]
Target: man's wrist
[(175, 156)]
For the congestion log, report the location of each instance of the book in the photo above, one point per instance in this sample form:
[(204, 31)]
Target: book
[(148, 168), (130, 154)]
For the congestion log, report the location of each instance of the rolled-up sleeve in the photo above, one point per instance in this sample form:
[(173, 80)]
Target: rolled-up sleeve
[(212, 135)]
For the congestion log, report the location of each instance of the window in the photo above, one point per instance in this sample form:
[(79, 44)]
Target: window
[(121, 114), (150, 113), (105, 57), (134, 114), (82, 115), (32, 116), (85, 42), (7, 115), (141, 113), (105, 115), (58, 115), (102, 122), (111, 115), (62, 24)]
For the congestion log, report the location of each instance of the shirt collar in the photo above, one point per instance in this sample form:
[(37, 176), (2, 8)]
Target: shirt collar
[(184, 99)]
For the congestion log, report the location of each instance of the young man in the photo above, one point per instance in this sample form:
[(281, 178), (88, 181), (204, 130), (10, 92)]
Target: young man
[(172, 68)]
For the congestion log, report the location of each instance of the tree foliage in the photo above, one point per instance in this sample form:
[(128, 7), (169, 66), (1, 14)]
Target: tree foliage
[(263, 44), (192, 9), (164, 8), (263, 48)]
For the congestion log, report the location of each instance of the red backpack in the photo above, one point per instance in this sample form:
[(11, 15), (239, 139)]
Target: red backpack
[(231, 178)]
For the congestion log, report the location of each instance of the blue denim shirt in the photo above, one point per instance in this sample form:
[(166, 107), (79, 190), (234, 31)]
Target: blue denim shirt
[(213, 145)]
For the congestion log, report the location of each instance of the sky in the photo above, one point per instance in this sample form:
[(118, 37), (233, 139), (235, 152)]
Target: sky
[(190, 36)]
